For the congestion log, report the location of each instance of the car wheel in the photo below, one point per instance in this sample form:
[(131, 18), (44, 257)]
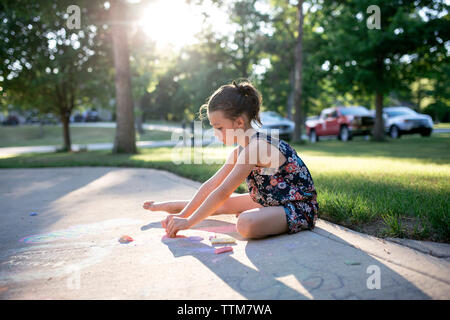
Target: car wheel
[(344, 134), (394, 133), (313, 138), (426, 133)]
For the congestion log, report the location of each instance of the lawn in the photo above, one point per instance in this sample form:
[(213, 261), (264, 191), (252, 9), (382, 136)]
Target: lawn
[(399, 188), (442, 125), (28, 135)]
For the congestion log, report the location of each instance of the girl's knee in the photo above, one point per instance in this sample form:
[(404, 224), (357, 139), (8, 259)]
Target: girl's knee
[(246, 225)]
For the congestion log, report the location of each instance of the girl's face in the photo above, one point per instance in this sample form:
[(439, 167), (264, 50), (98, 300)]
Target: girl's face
[(226, 130)]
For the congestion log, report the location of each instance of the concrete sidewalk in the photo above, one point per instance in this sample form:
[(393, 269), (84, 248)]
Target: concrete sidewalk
[(206, 139), (70, 249), (10, 151)]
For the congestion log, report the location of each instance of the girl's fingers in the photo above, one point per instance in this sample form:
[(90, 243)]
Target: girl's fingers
[(148, 204), (166, 224), (169, 231)]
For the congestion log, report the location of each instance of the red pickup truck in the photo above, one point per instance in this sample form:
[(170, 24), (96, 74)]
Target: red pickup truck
[(343, 122)]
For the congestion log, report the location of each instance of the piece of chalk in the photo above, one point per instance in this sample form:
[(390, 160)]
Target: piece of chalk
[(125, 239), (223, 249), (222, 240), (33, 214)]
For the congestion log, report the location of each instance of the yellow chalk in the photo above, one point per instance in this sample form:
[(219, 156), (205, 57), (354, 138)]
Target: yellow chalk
[(222, 240)]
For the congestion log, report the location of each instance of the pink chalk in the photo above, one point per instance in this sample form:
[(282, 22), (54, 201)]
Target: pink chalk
[(223, 249), (125, 239)]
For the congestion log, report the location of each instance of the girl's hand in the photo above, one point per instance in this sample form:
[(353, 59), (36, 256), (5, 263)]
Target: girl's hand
[(174, 224)]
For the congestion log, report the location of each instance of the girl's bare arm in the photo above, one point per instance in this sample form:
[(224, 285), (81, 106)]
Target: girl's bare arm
[(240, 171), (210, 185)]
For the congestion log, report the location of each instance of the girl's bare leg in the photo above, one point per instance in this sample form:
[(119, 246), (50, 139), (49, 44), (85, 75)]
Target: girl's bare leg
[(262, 222), (235, 204), (174, 206)]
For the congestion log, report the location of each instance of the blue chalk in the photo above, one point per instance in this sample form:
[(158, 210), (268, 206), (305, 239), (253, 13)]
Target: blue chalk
[(33, 214)]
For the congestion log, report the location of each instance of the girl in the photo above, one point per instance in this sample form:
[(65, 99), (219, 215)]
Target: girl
[(281, 198)]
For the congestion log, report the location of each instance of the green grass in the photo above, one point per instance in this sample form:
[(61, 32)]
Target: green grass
[(445, 125), (399, 188), (28, 135)]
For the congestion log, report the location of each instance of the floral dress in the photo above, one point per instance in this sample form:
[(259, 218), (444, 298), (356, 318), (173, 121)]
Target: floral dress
[(290, 185)]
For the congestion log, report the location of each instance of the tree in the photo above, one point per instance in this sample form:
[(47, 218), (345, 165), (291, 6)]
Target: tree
[(48, 66), (376, 61), (298, 76), (143, 67), (278, 83)]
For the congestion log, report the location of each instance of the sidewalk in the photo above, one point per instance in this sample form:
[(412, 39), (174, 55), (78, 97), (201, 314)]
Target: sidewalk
[(70, 249), (206, 139), (76, 147)]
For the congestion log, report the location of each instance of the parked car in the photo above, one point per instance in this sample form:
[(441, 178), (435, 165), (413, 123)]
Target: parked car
[(11, 120), (32, 117), (271, 120), (77, 117), (91, 116), (404, 120), (341, 122)]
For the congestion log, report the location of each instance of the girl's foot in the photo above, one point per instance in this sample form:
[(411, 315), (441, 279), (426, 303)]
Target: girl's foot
[(160, 206)]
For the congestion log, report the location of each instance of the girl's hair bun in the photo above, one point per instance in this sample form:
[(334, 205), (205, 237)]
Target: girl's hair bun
[(243, 89), (235, 99)]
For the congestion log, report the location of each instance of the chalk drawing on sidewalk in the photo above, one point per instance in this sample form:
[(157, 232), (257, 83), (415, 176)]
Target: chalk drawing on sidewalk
[(78, 231), (48, 261)]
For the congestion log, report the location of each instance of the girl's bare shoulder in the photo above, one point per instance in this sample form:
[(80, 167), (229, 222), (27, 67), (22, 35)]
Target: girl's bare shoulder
[(234, 154), (268, 155)]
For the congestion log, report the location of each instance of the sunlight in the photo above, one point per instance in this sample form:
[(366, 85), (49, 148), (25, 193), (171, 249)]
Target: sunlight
[(171, 22), (175, 22)]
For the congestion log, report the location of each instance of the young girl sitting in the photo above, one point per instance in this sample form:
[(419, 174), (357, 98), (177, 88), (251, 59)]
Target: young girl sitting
[(282, 198)]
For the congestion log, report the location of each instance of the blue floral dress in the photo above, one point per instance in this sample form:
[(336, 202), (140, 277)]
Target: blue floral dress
[(290, 185)]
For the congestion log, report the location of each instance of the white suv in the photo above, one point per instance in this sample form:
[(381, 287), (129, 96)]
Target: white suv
[(404, 120)]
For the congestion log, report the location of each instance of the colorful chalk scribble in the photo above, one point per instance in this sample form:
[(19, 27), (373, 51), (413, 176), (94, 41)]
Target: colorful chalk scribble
[(77, 231)]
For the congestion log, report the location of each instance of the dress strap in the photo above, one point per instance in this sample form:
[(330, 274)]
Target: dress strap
[(259, 135), (262, 135)]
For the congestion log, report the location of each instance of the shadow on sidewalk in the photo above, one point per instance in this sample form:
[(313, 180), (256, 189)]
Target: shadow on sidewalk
[(305, 265)]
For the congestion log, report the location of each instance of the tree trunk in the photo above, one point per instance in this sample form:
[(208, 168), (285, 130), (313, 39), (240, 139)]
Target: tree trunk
[(378, 130), (298, 77), (41, 128), (125, 139), (66, 133), (290, 101)]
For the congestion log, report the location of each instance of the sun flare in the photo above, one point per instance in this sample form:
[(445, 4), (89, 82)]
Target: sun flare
[(171, 22)]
